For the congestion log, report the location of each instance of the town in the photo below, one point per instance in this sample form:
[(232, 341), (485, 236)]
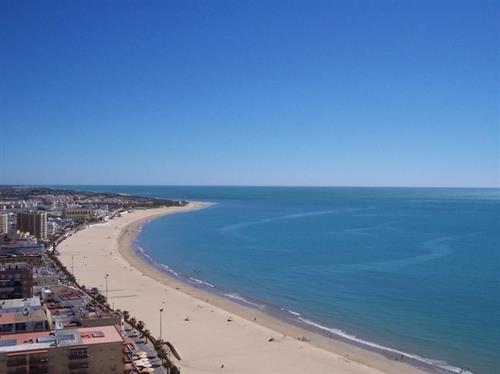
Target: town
[(48, 322)]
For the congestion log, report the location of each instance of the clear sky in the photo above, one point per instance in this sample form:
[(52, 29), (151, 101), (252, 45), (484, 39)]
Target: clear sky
[(401, 93)]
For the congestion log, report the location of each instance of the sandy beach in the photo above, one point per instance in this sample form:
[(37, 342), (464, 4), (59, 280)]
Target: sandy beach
[(196, 321)]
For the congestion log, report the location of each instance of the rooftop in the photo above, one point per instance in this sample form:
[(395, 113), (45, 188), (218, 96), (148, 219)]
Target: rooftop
[(99, 335), (67, 293), (20, 317), (12, 305), (68, 337)]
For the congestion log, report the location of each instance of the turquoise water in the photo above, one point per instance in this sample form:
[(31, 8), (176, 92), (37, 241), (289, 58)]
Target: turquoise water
[(412, 269)]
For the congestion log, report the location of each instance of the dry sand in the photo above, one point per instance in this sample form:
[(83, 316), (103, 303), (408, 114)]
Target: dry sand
[(207, 340)]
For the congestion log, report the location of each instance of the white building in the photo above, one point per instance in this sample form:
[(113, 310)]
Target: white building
[(4, 223)]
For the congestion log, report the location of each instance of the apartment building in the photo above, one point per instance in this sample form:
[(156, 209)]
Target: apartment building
[(83, 350), (16, 280), (4, 223), (33, 222)]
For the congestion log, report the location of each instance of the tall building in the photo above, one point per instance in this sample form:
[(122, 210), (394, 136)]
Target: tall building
[(4, 223), (16, 281), (33, 222)]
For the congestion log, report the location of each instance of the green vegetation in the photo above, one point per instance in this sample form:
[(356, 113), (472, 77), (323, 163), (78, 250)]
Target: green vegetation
[(145, 333), (61, 267)]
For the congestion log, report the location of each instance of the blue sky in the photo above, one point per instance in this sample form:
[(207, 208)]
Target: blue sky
[(394, 93)]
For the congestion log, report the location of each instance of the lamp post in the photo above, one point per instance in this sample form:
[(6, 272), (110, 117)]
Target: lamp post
[(107, 275), (161, 311)]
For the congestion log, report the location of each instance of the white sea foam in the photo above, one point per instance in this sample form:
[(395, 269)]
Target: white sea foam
[(343, 334), (240, 298), (199, 281), (166, 268), (139, 248), (294, 313)]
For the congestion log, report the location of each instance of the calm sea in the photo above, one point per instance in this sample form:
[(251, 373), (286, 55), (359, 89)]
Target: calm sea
[(413, 269)]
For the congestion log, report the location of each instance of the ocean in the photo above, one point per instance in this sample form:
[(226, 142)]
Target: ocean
[(411, 269)]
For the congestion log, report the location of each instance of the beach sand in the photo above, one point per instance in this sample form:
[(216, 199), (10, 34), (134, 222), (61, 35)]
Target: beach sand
[(207, 340)]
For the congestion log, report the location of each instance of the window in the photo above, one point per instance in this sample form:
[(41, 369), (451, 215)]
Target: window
[(78, 353)]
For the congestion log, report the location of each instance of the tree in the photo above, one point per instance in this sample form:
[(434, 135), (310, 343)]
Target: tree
[(133, 322), (162, 355), (156, 345), (126, 315), (140, 326), (145, 334), (100, 299)]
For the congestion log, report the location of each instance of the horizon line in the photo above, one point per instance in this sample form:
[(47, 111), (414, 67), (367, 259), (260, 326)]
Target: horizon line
[(249, 186)]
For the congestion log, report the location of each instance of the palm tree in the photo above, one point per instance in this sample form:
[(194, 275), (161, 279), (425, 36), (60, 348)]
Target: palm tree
[(162, 355), (126, 315), (145, 334), (140, 326), (100, 298), (133, 322), (156, 344)]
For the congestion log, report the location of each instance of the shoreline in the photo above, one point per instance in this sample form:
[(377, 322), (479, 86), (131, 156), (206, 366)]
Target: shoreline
[(345, 356), (304, 325)]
